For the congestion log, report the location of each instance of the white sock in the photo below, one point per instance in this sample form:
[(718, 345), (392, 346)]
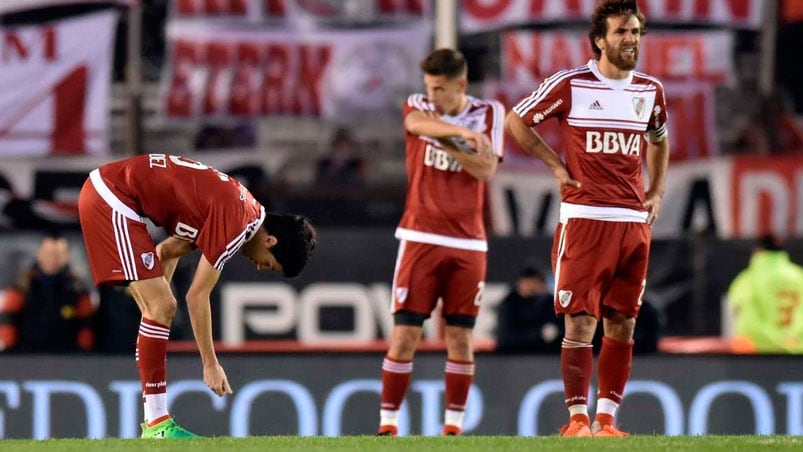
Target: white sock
[(452, 417), (607, 406), (578, 409), (389, 417), (155, 406)]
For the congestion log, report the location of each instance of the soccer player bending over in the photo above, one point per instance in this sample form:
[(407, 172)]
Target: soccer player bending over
[(453, 145), (610, 116), (200, 208)]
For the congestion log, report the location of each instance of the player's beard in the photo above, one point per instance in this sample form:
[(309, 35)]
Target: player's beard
[(617, 57)]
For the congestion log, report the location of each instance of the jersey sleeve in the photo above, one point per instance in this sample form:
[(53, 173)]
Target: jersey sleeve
[(416, 102), (495, 127), (656, 128), (551, 99), (228, 226)]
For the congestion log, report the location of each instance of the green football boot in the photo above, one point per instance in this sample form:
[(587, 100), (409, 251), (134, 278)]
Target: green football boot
[(166, 429)]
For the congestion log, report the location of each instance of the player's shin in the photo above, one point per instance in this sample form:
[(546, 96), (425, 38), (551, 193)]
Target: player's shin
[(151, 356), (396, 377)]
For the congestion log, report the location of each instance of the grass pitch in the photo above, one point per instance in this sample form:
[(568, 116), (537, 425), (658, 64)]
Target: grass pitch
[(415, 443)]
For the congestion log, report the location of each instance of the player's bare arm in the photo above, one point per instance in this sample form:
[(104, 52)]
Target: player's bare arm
[(169, 251), (657, 164), (482, 164), (533, 144), (430, 125), (200, 310)]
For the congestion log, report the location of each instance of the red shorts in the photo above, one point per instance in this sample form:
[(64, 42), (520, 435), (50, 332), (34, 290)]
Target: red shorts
[(117, 241), (600, 266), (427, 272)]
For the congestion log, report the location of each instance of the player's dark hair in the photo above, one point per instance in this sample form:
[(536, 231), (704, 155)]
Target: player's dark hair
[(295, 240), (606, 9), (449, 63), (770, 242)]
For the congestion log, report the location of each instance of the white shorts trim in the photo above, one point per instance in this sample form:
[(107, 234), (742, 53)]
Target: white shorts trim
[(112, 200), (619, 214), (442, 240)]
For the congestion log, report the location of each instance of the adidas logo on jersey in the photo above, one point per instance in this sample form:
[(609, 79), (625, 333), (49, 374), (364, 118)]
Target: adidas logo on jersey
[(595, 106)]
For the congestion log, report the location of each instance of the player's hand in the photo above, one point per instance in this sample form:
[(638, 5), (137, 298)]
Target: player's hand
[(478, 141), (215, 379), (565, 181), (652, 201)]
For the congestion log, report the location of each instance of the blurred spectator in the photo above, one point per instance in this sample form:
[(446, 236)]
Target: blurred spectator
[(526, 320), (49, 308), (117, 320), (765, 301), (219, 137), (344, 165)]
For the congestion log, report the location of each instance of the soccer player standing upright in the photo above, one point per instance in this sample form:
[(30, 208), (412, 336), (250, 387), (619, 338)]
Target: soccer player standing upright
[(453, 145), (609, 116)]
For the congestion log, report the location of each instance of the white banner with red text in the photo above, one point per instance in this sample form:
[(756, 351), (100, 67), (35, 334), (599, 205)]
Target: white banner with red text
[(218, 71), (484, 15), (294, 13), (692, 120), (688, 55), (738, 197), (15, 6), (56, 77)]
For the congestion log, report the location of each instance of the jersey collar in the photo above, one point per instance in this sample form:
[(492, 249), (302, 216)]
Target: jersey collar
[(613, 83)]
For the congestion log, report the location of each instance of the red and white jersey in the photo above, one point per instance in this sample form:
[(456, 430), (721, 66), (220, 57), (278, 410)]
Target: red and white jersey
[(605, 123), (445, 203), (192, 201)]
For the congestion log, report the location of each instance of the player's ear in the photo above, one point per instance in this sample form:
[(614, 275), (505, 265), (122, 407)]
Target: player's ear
[(463, 84), (599, 41), (271, 241)]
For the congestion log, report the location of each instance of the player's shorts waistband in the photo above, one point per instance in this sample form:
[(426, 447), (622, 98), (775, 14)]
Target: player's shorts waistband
[(442, 240), (110, 199), (620, 214)]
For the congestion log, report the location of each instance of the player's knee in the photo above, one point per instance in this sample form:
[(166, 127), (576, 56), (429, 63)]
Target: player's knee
[(162, 309), (619, 327), (580, 327)]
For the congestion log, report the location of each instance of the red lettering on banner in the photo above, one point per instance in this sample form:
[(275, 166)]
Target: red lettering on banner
[(273, 89), (767, 195), (679, 57), (275, 78), (244, 93), (219, 57), (571, 8), (188, 7), (484, 9), (68, 110), (548, 53), (186, 55), (392, 6), (665, 56), (502, 12), (212, 7), (276, 7), (13, 43), (14, 47), (49, 35), (514, 59), (314, 61), (739, 9), (688, 134)]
